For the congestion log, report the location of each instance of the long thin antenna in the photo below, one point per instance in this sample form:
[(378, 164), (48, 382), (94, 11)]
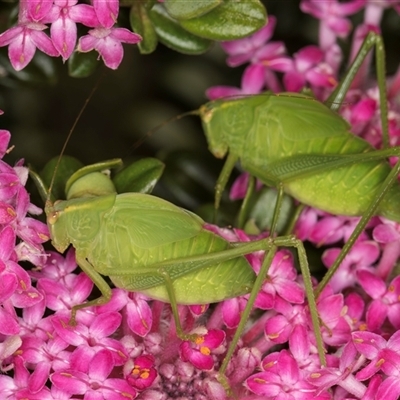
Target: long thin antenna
[(148, 134), (70, 134)]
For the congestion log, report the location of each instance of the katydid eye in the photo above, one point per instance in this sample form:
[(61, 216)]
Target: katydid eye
[(53, 217)]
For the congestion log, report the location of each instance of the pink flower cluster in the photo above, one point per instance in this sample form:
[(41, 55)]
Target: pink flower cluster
[(63, 16)]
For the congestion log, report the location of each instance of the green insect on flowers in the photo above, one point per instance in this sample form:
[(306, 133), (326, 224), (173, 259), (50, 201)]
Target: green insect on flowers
[(146, 244), (304, 148)]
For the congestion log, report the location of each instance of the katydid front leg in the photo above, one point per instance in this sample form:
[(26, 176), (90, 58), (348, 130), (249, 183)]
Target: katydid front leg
[(100, 283)]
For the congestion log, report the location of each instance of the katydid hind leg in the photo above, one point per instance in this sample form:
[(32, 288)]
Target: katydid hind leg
[(337, 97), (245, 315), (174, 307), (271, 246)]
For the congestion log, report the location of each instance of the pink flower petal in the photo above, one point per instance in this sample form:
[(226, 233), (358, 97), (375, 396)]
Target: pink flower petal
[(106, 11), (64, 35)]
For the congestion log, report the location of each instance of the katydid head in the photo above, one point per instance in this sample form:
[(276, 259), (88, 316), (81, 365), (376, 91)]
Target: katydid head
[(76, 221), (210, 118), (225, 120), (86, 182), (57, 226)]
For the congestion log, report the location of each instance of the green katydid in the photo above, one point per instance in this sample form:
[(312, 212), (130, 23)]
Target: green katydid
[(146, 244), (302, 147)]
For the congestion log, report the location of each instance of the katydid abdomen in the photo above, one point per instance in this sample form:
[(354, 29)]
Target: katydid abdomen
[(280, 138), (204, 285), (135, 238)]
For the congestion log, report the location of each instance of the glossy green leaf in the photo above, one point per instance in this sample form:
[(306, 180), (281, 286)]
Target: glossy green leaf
[(141, 24), (82, 65), (190, 9), (67, 166), (172, 35), (231, 20), (140, 176)]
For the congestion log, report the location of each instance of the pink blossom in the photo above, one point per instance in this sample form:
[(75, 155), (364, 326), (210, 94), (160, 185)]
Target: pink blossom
[(107, 41), (64, 16), (309, 67), (243, 50), (23, 386), (282, 378), (355, 305), (386, 302), (340, 375), (232, 310), (335, 329), (384, 355), (323, 229), (4, 140), (138, 313), (302, 350), (199, 352), (255, 49), (92, 334), (22, 42), (16, 284), (361, 257), (9, 346), (280, 283), (90, 376), (253, 81), (106, 11), (38, 9), (239, 187), (65, 294), (141, 372), (332, 15), (387, 233)]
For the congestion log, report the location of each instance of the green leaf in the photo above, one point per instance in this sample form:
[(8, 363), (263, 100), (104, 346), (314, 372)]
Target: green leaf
[(139, 177), (231, 20), (82, 65), (141, 24), (172, 35), (67, 166), (190, 8)]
